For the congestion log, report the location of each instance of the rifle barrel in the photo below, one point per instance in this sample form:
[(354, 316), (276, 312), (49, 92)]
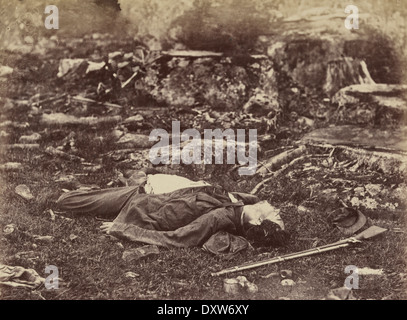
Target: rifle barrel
[(282, 258)]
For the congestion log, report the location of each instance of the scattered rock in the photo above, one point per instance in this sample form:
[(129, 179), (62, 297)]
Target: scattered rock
[(95, 66), (4, 134), (302, 209), (136, 254), (117, 134), (23, 191), (305, 122), (342, 293), (29, 255), (11, 166), (92, 168), (52, 214), (131, 140), (68, 65), (288, 283), (231, 286), (133, 119), (45, 239), (131, 274), (26, 146), (373, 189), (5, 71), (261, 104), (30, 139), (9, 229), (359, 191), (369, 272), (29, 40), (239, 284), (67, 179)]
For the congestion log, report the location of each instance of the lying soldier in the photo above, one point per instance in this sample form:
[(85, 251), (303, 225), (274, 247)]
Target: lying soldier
[(172, 211)]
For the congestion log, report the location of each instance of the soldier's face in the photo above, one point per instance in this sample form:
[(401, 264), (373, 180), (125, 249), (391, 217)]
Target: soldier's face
[(255, 214)]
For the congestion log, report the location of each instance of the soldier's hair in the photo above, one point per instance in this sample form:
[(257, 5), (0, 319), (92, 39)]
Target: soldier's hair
[(267, 234)]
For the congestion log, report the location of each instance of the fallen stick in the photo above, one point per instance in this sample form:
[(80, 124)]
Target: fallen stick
[(280, 159), (191, 54), (11, 166), (51, 99), (87, 100), (65, 119), (29, 146), (275, 174), (202, 54), (55, 152), (124, 84), (367, 234)]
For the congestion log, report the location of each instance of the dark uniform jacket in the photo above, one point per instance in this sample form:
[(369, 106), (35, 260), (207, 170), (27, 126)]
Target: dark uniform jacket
[(183, 218)]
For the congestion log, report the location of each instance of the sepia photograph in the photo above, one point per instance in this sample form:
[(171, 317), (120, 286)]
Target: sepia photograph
[(220, 152)]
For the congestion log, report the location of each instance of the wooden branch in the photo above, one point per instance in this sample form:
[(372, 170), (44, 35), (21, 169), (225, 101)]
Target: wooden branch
[(87, 100), (11, 166), (65, 119), (55, 152), (275, 174), (191, 54), (28, 146), (280, 159), (51, 99), (203, 54)]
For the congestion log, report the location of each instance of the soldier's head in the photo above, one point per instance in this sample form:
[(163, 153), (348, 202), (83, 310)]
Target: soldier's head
[(263, 225)]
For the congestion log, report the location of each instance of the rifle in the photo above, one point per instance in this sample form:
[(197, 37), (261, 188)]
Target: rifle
[(367, 234)]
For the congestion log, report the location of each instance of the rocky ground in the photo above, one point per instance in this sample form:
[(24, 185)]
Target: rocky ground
[(77, 113)]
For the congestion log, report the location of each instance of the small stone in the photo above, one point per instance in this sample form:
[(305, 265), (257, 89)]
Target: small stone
[(11, 166), (131, 274), (231, 286), (251, 288), (9, 229), (23, 191), (302, 209), (30, 139), (52, 214), (4, 134), (131, 140), (46, 239), (119, 245), (359, 191), (73, 237), (288, 283), (5, 71), (134, 119), (140, 253), (29, 40), (373, 189), (114, 55)]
